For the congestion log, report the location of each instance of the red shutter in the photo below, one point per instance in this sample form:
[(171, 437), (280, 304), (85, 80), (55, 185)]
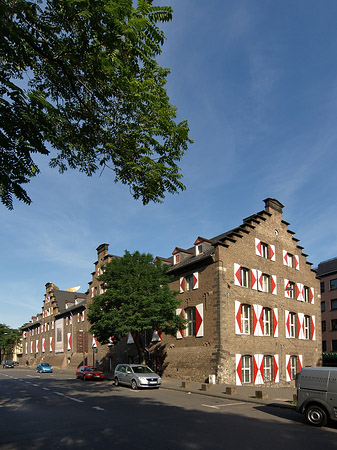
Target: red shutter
[(237, 274), (237, 317), (253, 278), (275, 322), (199, 320), (273, 284), (238, 369), (276, 369), (313, 328), (258, 247), (195, 280), (182, 284), (180, 333), (272, 252)]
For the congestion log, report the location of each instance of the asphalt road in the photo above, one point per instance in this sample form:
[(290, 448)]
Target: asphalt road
[(56, 411)]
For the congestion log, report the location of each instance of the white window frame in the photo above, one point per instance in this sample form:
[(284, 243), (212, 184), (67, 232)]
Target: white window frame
[(306, 294), (293, 367), (191, 322), (306, 327), (245, 319), (268, 368), (189, 283), (246, 369), (244, 276), (266, 322), (291, 289), (265, 283), (264, 250), (292, 325)]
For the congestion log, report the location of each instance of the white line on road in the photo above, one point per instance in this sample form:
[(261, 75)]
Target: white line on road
[(33, 384), (58, 393), (227, 404), (98, 408), (76, 399), (46, 389)]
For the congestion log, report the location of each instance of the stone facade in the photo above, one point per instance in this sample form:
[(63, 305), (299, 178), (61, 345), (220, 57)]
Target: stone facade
[(249, 295)]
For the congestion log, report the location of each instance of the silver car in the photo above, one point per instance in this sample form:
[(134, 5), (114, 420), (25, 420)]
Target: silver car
[(136, 376)]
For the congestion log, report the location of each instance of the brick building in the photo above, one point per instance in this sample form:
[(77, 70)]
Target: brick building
[(250, 297), (327, 274), (252, 303)]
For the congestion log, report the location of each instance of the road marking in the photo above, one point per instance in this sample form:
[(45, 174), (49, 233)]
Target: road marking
[(58, 393), (226, 404), (76, 399), (33, 384), (46, 389), (98, 408)]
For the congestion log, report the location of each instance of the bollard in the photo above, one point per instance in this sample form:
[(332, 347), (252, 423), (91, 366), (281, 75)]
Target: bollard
[(185, 384), (231, 390), (261, 394), (205, 387)]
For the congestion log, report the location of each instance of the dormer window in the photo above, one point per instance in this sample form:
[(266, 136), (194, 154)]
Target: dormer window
[(177, 258), (199, 249)]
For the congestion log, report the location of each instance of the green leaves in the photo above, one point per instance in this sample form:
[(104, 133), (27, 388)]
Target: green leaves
[(93, 91)]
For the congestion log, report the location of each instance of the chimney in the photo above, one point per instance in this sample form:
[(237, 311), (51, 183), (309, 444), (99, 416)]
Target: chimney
[(273, 205)]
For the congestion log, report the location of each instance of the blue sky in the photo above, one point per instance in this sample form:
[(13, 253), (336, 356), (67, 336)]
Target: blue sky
[(257, 82)]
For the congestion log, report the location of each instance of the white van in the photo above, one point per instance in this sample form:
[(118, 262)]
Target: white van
[(317, 394)]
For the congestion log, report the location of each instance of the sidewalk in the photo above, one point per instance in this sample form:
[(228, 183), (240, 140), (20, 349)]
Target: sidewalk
[(277, 396)]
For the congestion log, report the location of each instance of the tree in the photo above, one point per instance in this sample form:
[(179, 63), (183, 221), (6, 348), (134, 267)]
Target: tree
[(79, 79), (137, 299), (8, 339)]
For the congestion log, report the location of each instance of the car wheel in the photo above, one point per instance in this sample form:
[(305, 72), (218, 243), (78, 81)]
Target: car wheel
[(316, 416), (116, 381), (84, 378), (134, 385)]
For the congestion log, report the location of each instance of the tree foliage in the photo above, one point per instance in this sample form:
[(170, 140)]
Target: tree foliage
[(137, 298), (8, 339), (80, 77)]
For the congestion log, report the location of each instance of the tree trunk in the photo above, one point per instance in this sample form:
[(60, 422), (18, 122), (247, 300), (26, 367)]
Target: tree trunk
[(140, 347)]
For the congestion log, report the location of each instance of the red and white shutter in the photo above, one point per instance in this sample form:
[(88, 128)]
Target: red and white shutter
[(199, 320), (52, 324), (50, 344), (258, 369), (300, 363), (273, 284), (36, 346), (238, 369), (275, 322), (237, 317), (259, 280), (253, 279), (26, 348), (287, 323), (312, 295), (276, 369), (67, 320), (257, 320), (237, 274), (182, 284), (300, 326), (286, 288), (82, 316), (24, 334), (43, 345), (156, 336), (258, 247), (297, 262), (92, 292), (68, 341), (313, 328), (94, 343), (272, 252), (180, 332), (288, 369), (195, 280), (78, 317), (285, 258), (300, 292), (31, 346)]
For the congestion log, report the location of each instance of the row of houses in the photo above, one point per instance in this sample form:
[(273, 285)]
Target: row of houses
[(250, 297)]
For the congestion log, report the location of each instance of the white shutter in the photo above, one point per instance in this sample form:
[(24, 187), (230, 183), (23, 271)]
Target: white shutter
[(312, 295), (297, 262), (199, 320), (238, 369), (237, 274), (253, 279), (299, 292), (259, 280), (257, 320), (273, 284), (313, 328), (285, 258), (195, 280), (288, 372), (286, 288), (272, 252), (300, 325), (287, 325), (180, 333), (258, 247), (68, 341), (237, 317), (258, 369), (276, 369), (300, 363), (182, 284), (275, 322)]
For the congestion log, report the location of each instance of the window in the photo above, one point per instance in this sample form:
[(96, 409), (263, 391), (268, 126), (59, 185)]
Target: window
[(189, 282), (291, 289), (293, 367), (292, 325), (290, 260), (306, 294), (266, 322), (334, 325), (190, 316), (244, 277), (306, 327), (265, 283), (177, 259), (323, 346), (323, 325), (322, 306), (334, 346), (333, 284), (264, 250), (245, 319), (334, 304), (268, 368), (199, 249), (322, 287), (246, 369)]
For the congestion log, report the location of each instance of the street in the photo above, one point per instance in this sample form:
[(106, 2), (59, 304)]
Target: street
[(56, 411)]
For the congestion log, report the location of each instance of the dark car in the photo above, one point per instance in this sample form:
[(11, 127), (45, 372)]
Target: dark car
[(8, 365), (136, 376), (44, 367), (89, 373)]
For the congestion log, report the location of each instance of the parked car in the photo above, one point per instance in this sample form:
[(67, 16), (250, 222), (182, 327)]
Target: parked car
[(136, 376), (317, 394), (89, 373), (44, 367), (8, 365)]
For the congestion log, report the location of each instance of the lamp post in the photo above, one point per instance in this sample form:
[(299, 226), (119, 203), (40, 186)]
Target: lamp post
[(94, 350)]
